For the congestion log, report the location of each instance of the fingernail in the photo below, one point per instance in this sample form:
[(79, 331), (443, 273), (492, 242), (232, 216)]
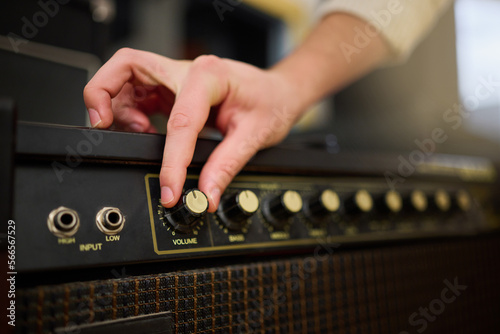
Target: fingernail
[(94, 117), (214, 195), (167, 195), (136, 127)]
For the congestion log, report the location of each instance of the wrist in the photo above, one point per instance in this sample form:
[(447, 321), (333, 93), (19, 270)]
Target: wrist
[(318, 67), (294, 97)]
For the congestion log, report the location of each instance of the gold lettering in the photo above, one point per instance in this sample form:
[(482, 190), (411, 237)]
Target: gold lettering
[(382, 225), (317, 233), (270, 186), (112, 238), (66, 241), (280, 235), (236, 237), (351, 230), (181, 242), (90, 247)]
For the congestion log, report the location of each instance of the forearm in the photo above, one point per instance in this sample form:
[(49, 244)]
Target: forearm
[(322, 64)]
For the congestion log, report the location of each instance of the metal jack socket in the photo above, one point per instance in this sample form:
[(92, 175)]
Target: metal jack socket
[(110, 220)]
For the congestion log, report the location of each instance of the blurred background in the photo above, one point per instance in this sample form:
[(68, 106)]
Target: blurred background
[(386, 111)]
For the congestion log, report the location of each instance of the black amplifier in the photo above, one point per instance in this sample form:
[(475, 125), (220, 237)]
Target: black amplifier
[(86, 198)]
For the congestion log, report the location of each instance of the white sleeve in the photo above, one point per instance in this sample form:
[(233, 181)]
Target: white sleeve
[(403, 23)]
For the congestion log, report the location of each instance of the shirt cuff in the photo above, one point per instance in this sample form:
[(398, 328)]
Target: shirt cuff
[(402, 23)]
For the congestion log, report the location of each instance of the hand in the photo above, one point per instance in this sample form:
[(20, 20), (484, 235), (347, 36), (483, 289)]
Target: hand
[(254, 109)]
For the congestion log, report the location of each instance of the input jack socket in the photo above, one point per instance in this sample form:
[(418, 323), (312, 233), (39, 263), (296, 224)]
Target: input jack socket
[(63, 222), (110, 220)]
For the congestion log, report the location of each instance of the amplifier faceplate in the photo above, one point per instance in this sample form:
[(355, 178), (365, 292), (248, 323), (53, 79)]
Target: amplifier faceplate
[(258, 234), (134, 191), (85, 198)]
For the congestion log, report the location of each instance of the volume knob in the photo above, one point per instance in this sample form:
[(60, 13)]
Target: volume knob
[(279, 209), (186, 214), (235, 209)]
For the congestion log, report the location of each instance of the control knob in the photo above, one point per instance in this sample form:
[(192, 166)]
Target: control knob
[(462, 201), (322, 204), (389, 202), (415, 201), (187, 213), (235, 209), (279, 209), (360, 202), (440, 201)]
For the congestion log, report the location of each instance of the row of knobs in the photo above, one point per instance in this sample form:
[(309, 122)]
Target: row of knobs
[(235, 209)]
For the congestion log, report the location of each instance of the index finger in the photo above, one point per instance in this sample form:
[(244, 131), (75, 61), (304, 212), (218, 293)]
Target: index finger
[(206, 85)]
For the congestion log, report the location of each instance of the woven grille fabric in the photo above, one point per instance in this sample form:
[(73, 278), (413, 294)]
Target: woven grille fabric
[(445, 286)]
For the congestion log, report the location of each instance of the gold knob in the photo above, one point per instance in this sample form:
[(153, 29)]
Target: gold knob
[(418, 201), (463, 200), (442, 200), (196, 201), (363, 200), (292, 201), (393, 201), (236, 208), (188, 212), (330, 200), (279, 209), (248, 202)]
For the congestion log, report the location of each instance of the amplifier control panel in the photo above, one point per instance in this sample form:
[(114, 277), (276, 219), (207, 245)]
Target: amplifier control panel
[(86, 198), (107, 214), (268, 213)]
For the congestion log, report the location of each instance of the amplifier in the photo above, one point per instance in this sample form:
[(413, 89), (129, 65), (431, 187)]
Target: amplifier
[(86, 198)]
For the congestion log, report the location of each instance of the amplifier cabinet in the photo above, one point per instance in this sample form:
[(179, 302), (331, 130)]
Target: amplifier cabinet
[(439, 286)]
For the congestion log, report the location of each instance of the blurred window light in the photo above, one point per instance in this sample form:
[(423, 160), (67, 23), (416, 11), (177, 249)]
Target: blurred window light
[(478, 58)]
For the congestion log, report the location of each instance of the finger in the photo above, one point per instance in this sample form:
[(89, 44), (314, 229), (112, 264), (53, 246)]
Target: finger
[(133, 104), (204, 86), (151, 129), (127, 114), (131, 119), (152, 99), (225, 163), (125, 66)]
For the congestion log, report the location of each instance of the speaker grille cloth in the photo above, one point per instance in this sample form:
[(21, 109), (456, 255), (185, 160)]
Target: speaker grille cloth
[(373, 290)]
